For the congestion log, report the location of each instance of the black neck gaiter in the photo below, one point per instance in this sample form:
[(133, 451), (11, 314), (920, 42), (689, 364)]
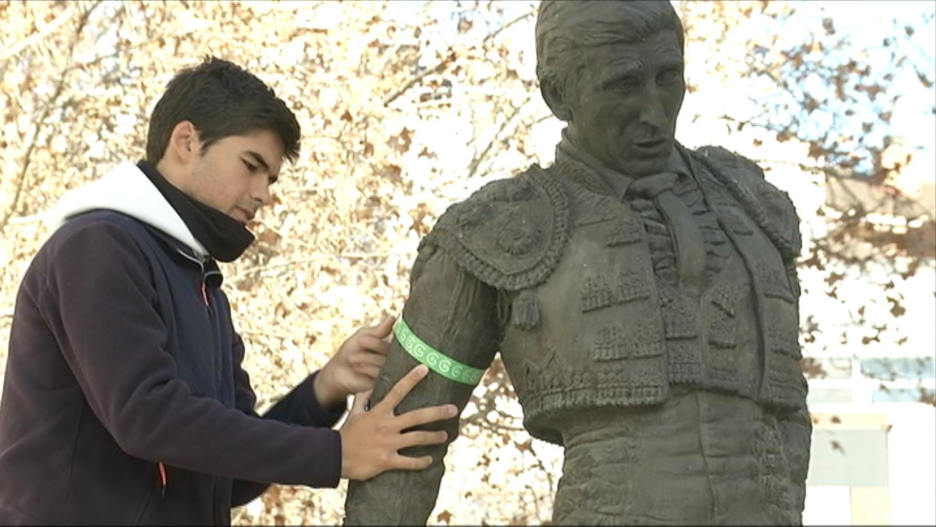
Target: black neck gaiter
[(224, 238)]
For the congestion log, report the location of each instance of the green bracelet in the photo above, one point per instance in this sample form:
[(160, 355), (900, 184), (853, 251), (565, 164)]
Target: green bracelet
[(449, 368)]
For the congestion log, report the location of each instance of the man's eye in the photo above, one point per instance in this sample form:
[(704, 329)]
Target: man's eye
[(250, 166)]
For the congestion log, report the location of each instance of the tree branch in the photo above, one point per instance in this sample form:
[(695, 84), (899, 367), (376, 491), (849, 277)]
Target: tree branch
[(13, 50), (476, 162), (448, 60), (60, 86)]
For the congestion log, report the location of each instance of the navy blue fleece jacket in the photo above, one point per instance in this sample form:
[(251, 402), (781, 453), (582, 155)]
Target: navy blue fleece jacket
[(124, 400)]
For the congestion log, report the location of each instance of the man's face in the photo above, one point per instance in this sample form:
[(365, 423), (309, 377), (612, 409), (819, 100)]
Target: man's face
[(235, 173), (625, 105)]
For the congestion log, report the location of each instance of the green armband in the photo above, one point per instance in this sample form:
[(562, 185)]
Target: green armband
[(449, 368)]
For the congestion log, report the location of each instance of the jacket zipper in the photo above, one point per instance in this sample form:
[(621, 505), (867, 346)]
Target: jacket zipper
[(163, 473), (163, 479), (203, 289), (148, 499)]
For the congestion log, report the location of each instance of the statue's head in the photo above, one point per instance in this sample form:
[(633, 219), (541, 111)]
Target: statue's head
[(614, 72)]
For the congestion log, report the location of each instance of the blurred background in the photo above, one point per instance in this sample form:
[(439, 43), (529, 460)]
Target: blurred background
[(408, 107)]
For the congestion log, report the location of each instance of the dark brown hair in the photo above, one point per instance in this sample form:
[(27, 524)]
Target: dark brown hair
[(221, 99)]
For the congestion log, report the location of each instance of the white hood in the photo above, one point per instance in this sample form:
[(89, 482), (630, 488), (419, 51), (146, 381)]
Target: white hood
[(125, 189)]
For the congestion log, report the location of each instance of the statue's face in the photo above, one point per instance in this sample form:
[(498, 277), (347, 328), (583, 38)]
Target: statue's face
[(623, 110)]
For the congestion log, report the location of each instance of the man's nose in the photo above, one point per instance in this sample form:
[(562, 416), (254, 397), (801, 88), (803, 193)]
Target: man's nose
[(261, 192)]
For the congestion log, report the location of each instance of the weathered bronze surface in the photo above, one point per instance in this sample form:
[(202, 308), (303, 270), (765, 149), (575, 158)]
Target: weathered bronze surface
[(642, 295)]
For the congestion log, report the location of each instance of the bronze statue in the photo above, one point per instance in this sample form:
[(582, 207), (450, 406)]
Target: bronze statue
[(642, 295)]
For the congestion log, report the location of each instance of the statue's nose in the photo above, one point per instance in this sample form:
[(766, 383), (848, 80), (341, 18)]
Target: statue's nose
[(653, 113)]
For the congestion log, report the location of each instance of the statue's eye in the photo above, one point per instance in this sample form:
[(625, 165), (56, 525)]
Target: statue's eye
[(669, 77), (626, 84)]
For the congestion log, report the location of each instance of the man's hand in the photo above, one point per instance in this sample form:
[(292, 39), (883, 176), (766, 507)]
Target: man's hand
[(371, 440), (356, 365)]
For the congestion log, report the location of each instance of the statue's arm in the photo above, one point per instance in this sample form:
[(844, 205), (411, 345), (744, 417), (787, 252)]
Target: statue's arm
[(454, 313)]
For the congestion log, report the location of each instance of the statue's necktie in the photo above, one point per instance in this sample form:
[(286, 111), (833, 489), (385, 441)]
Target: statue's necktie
[(687, 238)]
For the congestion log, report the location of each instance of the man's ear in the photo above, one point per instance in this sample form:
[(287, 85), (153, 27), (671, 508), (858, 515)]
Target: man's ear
[(554, 100), (184, 143)]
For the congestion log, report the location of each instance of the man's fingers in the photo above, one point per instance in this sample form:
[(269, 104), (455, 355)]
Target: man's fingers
[(410, 463), (404, 386), (372, 343), (421, 437), (383, 329), (426, 415), (370, 370), (362, 360), (382, 347)]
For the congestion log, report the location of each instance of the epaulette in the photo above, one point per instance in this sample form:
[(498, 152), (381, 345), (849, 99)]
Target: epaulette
[(770, 207), (511, 233)]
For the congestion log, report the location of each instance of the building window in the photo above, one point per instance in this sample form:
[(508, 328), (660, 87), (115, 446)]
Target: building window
[(884, 394), (890, 369)]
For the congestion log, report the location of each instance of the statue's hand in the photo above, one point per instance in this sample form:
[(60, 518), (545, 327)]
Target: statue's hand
[(371, 440)]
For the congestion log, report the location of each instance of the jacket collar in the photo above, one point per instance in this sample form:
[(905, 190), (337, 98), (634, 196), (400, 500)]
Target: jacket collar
[(127, 190)]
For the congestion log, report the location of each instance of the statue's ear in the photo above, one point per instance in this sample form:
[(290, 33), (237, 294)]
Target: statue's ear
[(554, 100)]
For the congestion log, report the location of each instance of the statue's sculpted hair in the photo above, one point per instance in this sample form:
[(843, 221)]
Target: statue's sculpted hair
[(563, 28)]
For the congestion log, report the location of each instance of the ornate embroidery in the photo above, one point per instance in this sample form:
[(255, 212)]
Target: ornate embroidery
[(743, 171), (631, 287), (660, 244), (624, 231), (783, 338), (628, 287), (723, 361), (614, 343), (525, 311), (684, 364), (680, 319), (473, 214), (734, 222), (519, 237), (595, 294), (714, 236), (726, 295), (718, 194), (772, 471), (707, 221), (629, 394), (513, 190), (773, 281), (786, 376), (722, 334), (529, 216)]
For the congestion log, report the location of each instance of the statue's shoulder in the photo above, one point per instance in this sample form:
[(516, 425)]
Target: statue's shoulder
[(510, 233), (771, 207), (733, 165)]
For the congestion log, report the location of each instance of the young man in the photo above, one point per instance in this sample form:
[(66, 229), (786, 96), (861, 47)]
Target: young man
[(124, 400)]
